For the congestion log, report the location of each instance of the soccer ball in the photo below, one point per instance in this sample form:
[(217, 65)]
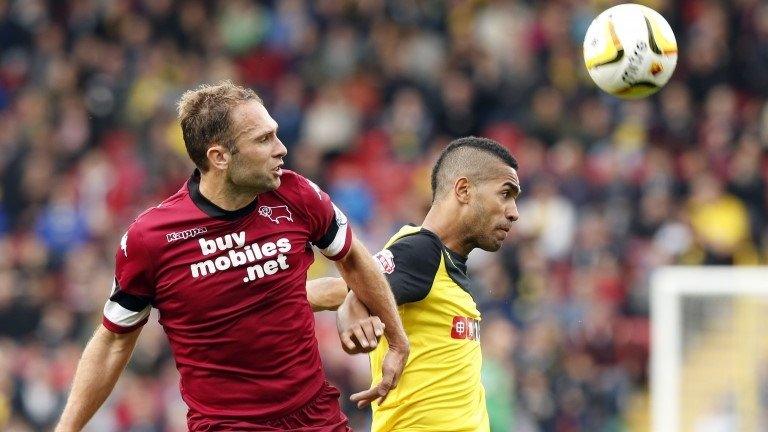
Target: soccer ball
[(630, 51)]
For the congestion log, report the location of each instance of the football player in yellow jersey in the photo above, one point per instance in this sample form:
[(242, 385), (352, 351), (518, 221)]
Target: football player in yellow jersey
[(474, 188)]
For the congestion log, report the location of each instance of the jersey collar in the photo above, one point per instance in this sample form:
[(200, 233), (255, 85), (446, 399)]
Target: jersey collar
[(455, 256), (211, 209)]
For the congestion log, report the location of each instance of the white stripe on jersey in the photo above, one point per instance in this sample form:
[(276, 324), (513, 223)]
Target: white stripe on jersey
[(123, 317), (340, 240)]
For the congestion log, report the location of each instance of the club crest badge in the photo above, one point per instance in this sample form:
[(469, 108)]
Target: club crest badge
[(276, 213)]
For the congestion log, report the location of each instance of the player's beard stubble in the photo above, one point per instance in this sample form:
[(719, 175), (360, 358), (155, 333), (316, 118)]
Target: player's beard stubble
[(248, 177), (483, 229)]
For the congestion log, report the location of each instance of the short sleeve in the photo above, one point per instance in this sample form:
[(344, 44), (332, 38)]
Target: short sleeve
[(130, 301), (410, 266), (329, 228)]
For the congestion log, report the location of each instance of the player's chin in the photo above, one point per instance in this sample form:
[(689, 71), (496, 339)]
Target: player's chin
[(266, 185), (492, 244), (277, 173), (273, 180)]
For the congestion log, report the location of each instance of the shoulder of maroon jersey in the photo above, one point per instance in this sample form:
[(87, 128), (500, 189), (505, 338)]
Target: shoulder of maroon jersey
[(175, 199), (156, 214), (295, 186), (290, 179)]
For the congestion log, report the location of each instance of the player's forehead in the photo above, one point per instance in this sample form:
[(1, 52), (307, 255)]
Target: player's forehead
[(252, 118), (502, 174)]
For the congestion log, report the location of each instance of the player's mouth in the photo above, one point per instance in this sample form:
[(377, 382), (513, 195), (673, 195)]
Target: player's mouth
[(278, 170), (503, 231)]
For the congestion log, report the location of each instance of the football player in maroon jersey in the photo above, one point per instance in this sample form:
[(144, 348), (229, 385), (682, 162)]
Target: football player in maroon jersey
[(224, 260)]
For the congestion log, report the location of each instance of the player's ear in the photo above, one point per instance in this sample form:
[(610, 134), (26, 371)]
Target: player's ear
[(461, 188), (218, 156)]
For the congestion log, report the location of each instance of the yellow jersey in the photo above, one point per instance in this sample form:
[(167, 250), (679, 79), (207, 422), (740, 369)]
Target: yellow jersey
[(440, 388)]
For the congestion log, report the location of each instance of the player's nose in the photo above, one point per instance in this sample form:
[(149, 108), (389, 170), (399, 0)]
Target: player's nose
[(280, 150), (510, 212)]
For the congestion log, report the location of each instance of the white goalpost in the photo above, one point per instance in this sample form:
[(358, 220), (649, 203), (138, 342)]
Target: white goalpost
[(709, 349)]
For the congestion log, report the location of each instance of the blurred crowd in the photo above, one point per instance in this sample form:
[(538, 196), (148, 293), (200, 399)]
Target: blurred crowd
[(367, 93)]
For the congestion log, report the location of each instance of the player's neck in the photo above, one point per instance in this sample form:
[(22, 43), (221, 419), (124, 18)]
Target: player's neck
[(444, 223), (215, 189)]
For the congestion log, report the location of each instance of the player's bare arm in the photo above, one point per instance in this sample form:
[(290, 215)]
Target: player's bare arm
[(326, 293), (370, 286), (103, 360), (359, 332)]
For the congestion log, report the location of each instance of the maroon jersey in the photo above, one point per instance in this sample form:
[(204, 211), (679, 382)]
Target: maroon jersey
[(230, 288)]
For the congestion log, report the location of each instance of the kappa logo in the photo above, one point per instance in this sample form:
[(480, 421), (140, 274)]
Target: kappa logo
[(385, 260), (183, 235), (275, 213)]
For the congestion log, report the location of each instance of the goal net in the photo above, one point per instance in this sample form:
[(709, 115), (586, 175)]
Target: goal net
[(709, 353)]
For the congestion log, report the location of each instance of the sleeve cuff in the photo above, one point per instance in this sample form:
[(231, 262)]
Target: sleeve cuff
[(114, 328), (335, 254)]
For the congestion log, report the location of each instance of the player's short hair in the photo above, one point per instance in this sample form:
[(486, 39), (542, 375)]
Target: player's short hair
[(467, 157), (205, 115)]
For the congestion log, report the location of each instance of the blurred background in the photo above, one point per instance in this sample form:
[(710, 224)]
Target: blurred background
[(367, 93)]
